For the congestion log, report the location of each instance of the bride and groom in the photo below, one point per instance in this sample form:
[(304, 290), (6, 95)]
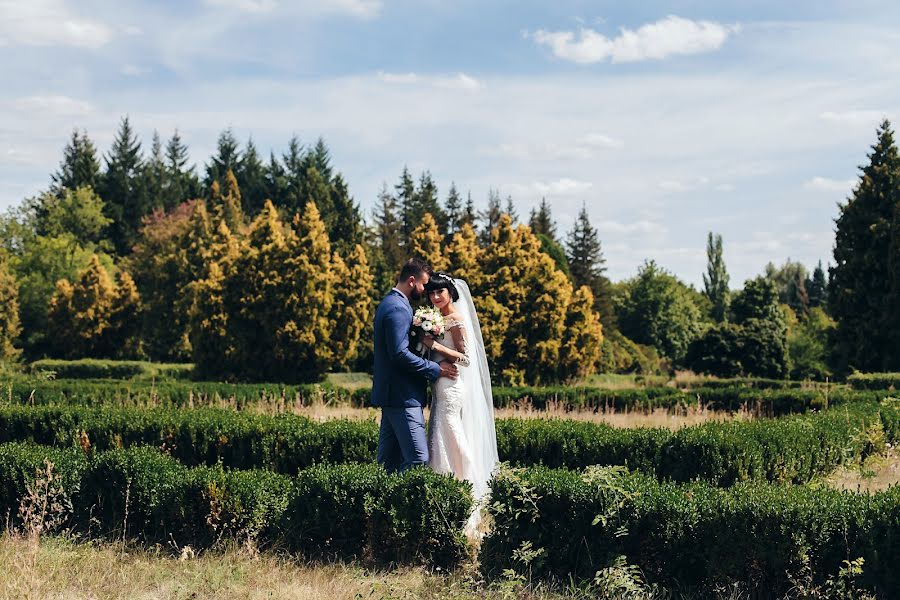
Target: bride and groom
[(461, 439)]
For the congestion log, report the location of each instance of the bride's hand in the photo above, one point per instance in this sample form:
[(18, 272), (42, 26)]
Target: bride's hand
[(428, 342)]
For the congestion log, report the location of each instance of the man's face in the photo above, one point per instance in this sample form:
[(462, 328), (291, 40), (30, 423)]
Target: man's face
[(418, 287)]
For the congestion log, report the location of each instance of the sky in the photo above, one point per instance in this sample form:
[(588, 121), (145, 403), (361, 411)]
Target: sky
[(666, 120)]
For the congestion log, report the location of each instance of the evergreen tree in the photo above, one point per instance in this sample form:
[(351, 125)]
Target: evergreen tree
[(251, 179), (227, 158), (817, 287), (715, 281), (586, 264), (453, 209), (319, 158), (469, 214), (315, 188), (79, 166), (388, 233), (183, 183), (156, 177), (123, 339), (121, 189), (10, 326), (583, 337), (511, 210), (798, 297), (541, 221), (425, 243), (353, 308), (758, 300), (276, 181), (346, 222), (292, 199), (464, 256), (865, 279), (227, 205), (490, 217)]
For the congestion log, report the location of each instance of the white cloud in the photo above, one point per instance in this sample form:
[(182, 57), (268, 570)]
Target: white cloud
[(642, 226), (670, 36), (364, 9), (853, 116), (134, 70), (598, 140), (725, 187), (583, 148), (54, 106), (682, 185), (48, 23), (830, 185), (460, 81), (560, 187)]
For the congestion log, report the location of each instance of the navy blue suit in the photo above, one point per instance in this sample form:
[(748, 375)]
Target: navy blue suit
[(398, 386)]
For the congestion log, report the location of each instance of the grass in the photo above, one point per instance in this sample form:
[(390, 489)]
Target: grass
[(877, 473), (59, 567)]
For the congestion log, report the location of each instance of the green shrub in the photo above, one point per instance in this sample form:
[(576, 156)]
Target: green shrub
[(340, 511), (90, 368), (874, 381), (694, 537)]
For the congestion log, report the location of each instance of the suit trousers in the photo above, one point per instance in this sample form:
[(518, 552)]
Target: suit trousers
[(402, 442)]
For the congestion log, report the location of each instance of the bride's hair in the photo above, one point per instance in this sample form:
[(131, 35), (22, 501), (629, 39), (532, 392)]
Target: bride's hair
[(442, 279)]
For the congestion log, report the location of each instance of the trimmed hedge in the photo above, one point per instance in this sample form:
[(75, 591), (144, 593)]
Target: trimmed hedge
[(90, 368), (874, 381), (342, 511), (789, 449), (691, 536)]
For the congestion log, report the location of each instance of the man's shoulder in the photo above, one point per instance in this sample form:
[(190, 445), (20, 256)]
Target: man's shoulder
[(392, 301)]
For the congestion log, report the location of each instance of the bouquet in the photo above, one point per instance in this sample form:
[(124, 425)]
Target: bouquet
[(427, 321)]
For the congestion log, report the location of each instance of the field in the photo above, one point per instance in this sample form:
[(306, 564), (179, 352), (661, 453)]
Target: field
[(696, 489)]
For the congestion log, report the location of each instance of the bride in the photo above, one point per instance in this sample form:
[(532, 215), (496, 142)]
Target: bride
[(461, 435)]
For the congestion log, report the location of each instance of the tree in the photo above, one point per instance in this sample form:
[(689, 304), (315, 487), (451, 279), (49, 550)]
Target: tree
[(388, 236), (79, 166), (227, 206), (183, 183), (276, 181), (251, 179), (817, 287), (865, 279), (541, 220), (511, 210), (490, 217), (807, 346), (353, 308), (294, 169), (790, 283), (758, 300), (464, 256), (453, 209), (715, 281), (659, 311), (227, 158), (469, 214), (586, 264), (10, 326), (124, 197), (583, 337), (718, 351), (425, 243), (76, 213), (155, 175), (346, 230)]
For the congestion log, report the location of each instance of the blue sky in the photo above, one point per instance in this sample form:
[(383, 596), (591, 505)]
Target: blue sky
[(666, 119)]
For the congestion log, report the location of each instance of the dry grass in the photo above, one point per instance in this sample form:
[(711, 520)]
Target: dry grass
[(875, 474), (55, 567)]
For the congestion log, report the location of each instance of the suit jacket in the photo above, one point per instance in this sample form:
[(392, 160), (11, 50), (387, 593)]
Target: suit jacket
[(400, 376)]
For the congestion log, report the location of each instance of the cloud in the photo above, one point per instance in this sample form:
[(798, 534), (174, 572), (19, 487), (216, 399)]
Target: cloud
[(853, 116), (642, 226), (670, 36), (48, 23), (363, 9), (54, 106), (830, 185), (583, 148), (460, 81), (134, 70), (560, 187), (682, 185), (725, 187)]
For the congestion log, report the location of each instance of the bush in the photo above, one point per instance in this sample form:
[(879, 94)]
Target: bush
[(89, 368), (874, 381), (693, 537), (343, 511)]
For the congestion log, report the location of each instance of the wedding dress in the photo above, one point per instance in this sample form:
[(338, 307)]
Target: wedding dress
[(462, 439)]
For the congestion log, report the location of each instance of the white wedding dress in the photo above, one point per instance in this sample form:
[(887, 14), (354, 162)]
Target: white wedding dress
[(462, 439)]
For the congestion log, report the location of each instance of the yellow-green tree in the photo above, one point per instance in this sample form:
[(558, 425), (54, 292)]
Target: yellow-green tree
[(425, 243), (352, 309), (227, 205), (464, 255), (123, 338), (9, 310), (583, 337), (523, 299)]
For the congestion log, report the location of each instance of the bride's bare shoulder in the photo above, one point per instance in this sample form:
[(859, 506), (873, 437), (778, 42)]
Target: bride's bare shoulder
[(454, 318)]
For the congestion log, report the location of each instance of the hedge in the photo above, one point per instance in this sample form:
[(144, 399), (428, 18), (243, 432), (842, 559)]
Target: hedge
[(691, 537), (91, 368), (339, 511), (790, 449), (874, 381)]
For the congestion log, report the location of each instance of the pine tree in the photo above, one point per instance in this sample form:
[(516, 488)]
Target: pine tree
[(276, 181), (227, 158), (227, 206), (251, 179), (586, 264), (464, 256), (817, 287), (490, 217), (715, 281), (294, 168), (346, 223), (79, 314), (155, 177), (798, 297), (9, 311), (389, 239), (319, 158), (121, 189), (864, 281), (425, 243), (183, 183), (541, 221), (123, 339), (353, 308), (315, 188), (583, 337), (511, 210), (453, 209), (79, 167), (469, 214)]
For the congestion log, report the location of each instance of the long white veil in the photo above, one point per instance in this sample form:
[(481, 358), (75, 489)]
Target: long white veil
[(478, 409)]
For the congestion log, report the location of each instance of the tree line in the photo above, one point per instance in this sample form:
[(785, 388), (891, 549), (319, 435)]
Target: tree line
[(268, 270)]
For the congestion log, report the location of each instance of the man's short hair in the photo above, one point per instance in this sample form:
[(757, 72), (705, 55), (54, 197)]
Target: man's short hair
[(414, 267)]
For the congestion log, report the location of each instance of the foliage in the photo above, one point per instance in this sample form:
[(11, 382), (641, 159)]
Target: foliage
[(9, 310), (874, 381), (90, 368), (807, 345), (425, 243), (580, 351), (715, 281)]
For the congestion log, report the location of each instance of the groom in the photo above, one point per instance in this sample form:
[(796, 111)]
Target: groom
[(400, 376)]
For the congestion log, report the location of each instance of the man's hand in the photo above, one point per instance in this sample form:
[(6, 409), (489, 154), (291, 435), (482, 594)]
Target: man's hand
[(449, 370)]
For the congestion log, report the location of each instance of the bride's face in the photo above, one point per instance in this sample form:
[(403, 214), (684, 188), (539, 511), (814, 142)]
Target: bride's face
[(439, 297)]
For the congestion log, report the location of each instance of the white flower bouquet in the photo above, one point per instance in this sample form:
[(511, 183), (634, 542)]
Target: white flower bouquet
[(426, 321)]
